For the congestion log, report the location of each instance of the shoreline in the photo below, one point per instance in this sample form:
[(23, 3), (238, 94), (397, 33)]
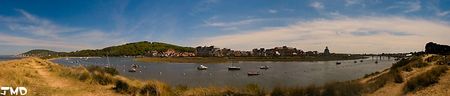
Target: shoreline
[(218, 60)]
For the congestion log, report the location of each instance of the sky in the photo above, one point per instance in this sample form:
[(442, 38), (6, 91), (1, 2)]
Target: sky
[(345, 26)]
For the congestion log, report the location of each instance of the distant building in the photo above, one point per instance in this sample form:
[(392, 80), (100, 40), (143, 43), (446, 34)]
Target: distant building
[(326, 52), (259, 52), (206, 51), (280, 51)]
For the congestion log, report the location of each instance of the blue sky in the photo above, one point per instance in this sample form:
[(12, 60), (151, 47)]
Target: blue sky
[(348, 26)]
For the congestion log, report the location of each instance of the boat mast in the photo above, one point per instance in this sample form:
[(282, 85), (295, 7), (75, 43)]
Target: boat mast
[(107, 58)]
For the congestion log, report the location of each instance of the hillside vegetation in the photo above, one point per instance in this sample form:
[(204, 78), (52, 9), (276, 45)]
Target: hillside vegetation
[(129, 49), (42, 52), (132, 49)]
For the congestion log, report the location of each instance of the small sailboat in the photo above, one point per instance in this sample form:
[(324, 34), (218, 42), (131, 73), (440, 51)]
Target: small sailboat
[(202, 67), (133, 68), (338, 63), (264, 67), (253, 73), (360, 60), (355, 62)]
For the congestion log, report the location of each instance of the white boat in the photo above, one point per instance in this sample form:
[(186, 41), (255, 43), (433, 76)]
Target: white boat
[(202, 67), (133, 68), (234, 68), (264, 67)]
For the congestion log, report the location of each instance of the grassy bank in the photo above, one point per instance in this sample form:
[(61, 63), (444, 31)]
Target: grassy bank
[(41, 77), (233, 59)]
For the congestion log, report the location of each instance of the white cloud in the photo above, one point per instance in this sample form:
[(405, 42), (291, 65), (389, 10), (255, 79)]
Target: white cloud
[(351, 2), (355, 35), (36, 26), (24, 41), (407, 6), (317, 5), (413, 6), (29, 31), (273, 11), (445, 13), (232, 23)]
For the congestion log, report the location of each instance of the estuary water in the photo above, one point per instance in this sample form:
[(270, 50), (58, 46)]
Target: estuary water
[(8, 57), (298, 73)]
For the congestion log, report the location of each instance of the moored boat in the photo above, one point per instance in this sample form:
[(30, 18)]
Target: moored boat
[(202, 67), (264, 67), (337, 63), (134, 68), (234, 68), (253, 73)]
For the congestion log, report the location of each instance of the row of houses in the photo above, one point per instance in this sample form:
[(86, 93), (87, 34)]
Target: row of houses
[(170, 53), (277, 51), (205, 51), (212, 51)]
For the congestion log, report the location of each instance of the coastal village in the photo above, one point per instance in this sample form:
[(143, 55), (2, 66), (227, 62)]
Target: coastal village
[(212, 51)]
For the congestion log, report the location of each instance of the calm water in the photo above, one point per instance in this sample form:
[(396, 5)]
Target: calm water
[(280, 73), (7, 57)]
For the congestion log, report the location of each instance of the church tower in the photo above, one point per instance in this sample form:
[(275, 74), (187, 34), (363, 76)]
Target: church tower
[(326, 52)]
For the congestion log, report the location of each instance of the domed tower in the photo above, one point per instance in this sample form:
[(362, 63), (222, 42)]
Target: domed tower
[(326, 52)]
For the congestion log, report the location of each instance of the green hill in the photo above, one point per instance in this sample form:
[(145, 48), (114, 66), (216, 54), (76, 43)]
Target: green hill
[(129, 49), (132, 49), (42, 53)]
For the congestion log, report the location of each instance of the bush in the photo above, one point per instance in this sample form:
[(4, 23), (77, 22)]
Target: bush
[(277, 91), (149, 90), (400, 63), (124, 87), (108, 70), (396, 75), (102, 79), (420, 65), (84, 76), (111, 71), (342, 89), (425, 79), (377, 84), (348, 88), (255, 90), (407, 68)]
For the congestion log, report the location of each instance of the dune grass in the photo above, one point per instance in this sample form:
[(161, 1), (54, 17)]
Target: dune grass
[(425, 79)]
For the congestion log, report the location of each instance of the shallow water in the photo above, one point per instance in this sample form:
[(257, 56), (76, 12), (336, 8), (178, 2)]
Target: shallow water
[(7, 57), (279, 74)]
